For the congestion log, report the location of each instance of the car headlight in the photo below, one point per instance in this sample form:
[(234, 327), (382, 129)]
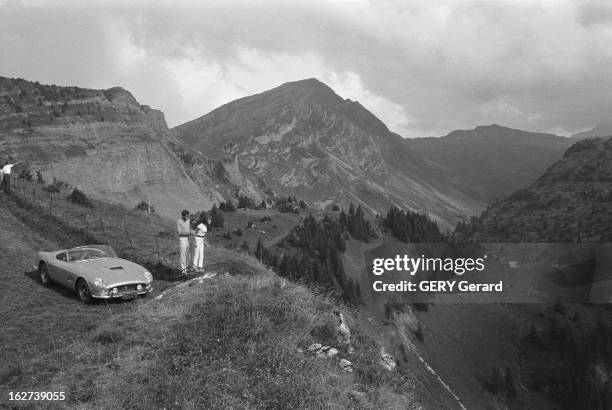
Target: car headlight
[(148, 276), (99, 283)]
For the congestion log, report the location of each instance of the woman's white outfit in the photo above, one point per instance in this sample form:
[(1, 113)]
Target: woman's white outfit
[(198, 254)]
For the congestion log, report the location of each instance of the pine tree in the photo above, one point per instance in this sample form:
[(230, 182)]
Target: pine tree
[(259, 249)]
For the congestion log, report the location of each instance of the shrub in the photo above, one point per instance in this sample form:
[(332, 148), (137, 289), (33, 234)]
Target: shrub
[(52, 188), (145, 207), (26, 174), (216, 217), (56, 186), (227, 206), (78, 197), (245, 246), (245, 202)]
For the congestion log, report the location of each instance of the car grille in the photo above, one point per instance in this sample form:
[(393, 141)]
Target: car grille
[(129, 288)]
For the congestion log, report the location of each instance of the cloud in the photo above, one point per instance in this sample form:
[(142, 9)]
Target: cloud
[(595, 13), (425, 69)]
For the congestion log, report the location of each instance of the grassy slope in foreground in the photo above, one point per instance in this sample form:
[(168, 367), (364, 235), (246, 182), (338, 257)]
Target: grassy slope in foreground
[(226, 342), (230, 341)]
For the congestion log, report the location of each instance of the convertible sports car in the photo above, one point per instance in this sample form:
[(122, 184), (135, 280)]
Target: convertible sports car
[(94, 271)]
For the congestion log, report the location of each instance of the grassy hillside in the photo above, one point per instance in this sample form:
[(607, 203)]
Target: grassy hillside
[(220, 343), (237, 340), (570, 202)]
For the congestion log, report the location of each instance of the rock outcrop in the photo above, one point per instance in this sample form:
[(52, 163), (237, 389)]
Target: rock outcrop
[(106, 144)]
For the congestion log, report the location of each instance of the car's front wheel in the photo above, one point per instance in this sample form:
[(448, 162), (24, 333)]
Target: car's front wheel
[(43, 271), (83, 291)]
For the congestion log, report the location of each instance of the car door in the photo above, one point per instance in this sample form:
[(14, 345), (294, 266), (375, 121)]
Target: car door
[(60, 269), (53, 264)]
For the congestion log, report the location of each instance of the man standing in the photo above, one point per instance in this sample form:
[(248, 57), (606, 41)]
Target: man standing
[(6, 176), (183, 228)]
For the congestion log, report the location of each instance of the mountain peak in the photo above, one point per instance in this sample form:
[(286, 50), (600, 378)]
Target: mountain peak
[(309, 88), (312, 82), (302, 137)]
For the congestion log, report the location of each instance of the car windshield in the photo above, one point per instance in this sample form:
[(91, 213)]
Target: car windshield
[(84, 253)]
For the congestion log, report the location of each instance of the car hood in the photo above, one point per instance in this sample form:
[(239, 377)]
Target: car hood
[(111, 270)]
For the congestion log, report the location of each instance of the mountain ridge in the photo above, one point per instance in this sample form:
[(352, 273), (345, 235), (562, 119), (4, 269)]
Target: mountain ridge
[(570, 202), (304, 139), (602, 130), (484, 160)]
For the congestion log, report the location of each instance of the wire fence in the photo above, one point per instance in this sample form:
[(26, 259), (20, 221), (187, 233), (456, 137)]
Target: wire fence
[(114, 225)]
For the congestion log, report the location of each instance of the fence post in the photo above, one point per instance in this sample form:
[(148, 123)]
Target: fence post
[(50, 203), (34, 195), (127, 233), (157, 248)]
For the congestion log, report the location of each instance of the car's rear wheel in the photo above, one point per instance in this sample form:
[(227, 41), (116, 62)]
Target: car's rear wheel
[(83, 291), (43, 271)]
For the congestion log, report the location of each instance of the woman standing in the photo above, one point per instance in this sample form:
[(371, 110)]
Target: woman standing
[(200, 242)]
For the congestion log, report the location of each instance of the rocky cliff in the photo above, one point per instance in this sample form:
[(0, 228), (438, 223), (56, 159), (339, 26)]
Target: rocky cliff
[(105, 143), (303, 139)]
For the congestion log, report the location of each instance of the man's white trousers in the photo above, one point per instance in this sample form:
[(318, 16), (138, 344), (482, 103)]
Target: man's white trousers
[(184, 247)]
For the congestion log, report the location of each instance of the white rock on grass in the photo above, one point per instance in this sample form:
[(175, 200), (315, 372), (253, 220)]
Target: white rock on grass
[(314, 347), (346, 365), (387, 361), (322, 351), (327, 351)]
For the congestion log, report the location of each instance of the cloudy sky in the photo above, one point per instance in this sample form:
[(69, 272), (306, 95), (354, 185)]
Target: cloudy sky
[(425, 68)]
